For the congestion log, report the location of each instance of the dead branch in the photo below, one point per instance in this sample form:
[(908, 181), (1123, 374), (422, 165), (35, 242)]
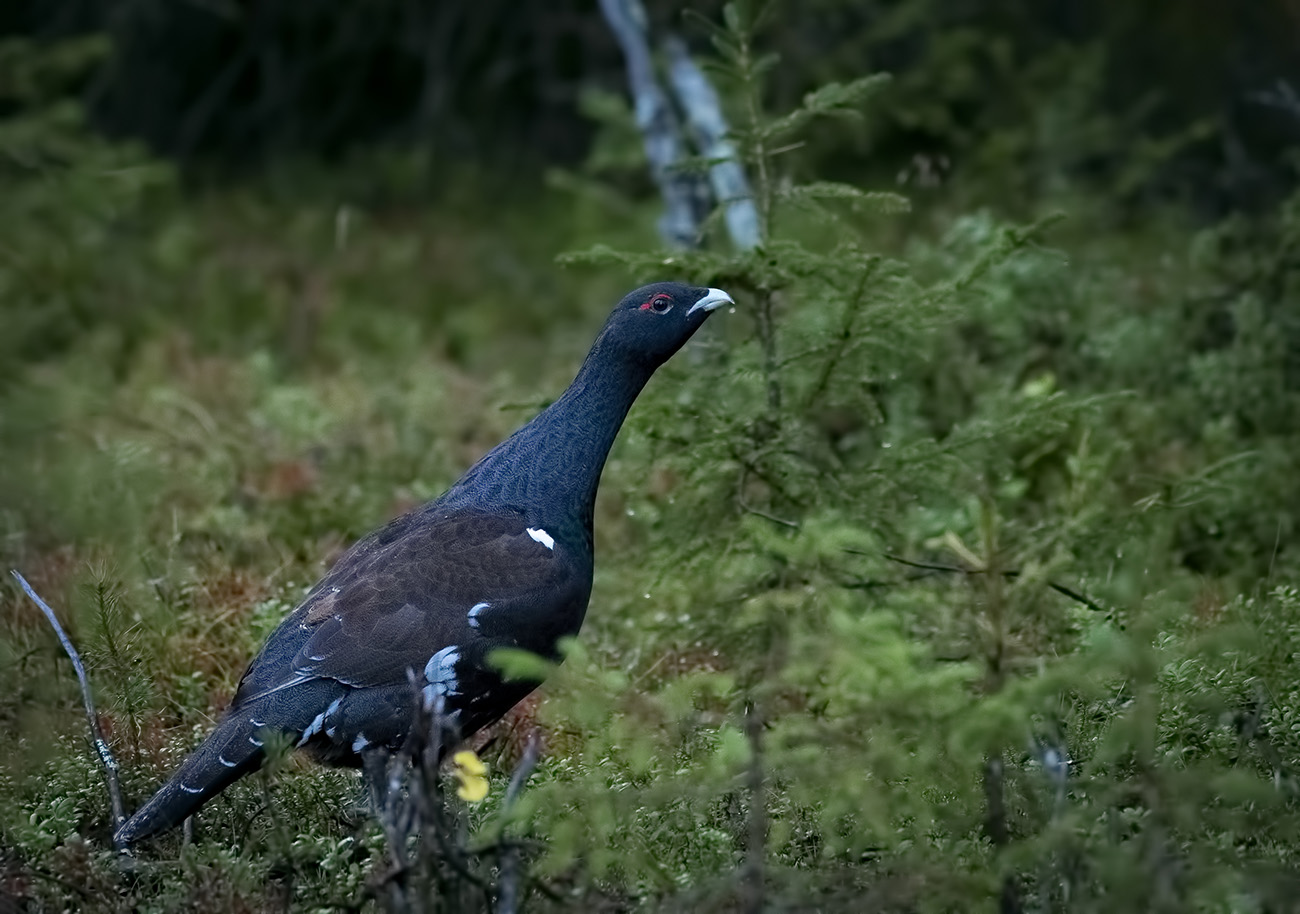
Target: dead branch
[(106, 757)]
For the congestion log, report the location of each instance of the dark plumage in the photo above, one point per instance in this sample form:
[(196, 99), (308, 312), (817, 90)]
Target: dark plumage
[(502, 559)]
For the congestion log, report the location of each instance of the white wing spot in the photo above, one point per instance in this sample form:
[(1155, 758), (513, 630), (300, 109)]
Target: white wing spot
[(334, 590), (319, 721), (312, 729), (440, 673), (257, 723), (221, 757), (188, 789), (542, 537), (255, 741), (475, 611), (360, 742)]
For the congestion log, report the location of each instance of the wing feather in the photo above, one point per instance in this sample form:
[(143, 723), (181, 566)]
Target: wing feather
[(406, 592)]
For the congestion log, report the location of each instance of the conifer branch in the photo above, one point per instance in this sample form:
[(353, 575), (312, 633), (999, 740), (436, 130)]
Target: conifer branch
[(106, 757)]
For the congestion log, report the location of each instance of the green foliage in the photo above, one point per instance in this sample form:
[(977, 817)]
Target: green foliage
[(954, 570), (881, 408), (70, 197), (1007, 103)]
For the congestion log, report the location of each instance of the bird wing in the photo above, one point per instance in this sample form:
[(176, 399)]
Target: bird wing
[(425, 583)]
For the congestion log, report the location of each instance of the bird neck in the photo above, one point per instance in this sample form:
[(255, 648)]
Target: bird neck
[(551, 467)]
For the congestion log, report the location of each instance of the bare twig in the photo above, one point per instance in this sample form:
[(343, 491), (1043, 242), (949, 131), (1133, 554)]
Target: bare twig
[(508, 880), (433, 865), (995, 826), (524, 770), (758, 512), (750, 509), (106, 757), (958, 569), (751, 884)]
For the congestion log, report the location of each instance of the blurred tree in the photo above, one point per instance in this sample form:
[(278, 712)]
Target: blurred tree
[(1062, 89)]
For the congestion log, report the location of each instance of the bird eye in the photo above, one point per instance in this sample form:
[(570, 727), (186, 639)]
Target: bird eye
[(660, 303)]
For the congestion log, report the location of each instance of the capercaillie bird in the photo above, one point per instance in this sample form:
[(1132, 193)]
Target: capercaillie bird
[(502, 559)]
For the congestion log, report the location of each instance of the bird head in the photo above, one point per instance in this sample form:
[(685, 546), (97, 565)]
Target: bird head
[(652, 322)]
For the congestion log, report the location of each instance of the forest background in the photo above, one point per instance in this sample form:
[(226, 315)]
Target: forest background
[(956, 570)]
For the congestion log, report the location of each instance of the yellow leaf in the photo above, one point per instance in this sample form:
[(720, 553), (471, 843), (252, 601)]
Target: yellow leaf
[(472, 775)]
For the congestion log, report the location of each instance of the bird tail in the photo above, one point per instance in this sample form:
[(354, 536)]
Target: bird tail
[(231, 751)]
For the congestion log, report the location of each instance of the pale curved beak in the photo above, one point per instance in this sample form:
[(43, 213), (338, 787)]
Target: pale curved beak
[(713, 298)]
